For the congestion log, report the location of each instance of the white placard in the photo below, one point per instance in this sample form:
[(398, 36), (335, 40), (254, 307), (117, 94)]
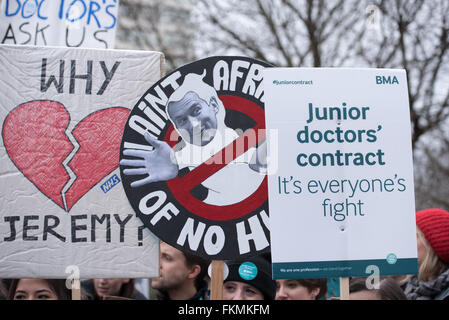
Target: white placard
[(62, 204), (74, 23), (342, 197)]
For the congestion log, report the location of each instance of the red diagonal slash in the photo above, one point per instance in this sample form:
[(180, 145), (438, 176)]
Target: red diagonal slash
[(181, 187), (219, 160)]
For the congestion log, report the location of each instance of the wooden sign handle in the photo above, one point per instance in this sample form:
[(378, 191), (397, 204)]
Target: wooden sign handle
[(344, 288), (216, 280), (76, 289)]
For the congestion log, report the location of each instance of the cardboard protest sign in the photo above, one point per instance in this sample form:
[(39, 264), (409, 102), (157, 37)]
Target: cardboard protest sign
[(189, 158), (78, 23), (62, 204), (342, 198)]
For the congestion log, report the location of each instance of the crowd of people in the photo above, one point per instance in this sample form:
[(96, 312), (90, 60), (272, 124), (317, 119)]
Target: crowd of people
[(184, 277)]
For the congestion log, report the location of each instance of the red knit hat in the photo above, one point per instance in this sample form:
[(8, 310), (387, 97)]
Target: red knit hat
[(434, 223)]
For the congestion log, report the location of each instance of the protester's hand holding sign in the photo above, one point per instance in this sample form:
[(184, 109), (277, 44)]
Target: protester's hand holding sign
[(160, 164)]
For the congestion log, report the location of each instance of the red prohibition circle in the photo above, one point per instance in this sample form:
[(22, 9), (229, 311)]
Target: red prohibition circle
[(180, 187)]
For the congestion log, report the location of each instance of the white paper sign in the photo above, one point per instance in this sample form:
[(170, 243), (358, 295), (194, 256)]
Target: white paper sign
[(62, 204), (74, 23), (342, 198)]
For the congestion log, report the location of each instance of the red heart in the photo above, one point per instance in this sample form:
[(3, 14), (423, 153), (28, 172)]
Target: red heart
[(35, 139)]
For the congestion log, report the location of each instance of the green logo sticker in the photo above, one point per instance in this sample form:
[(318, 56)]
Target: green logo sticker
[(391, 258), (248, 271)]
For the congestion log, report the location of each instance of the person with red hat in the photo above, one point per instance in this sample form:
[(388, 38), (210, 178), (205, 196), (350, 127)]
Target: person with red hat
[(432, 281)]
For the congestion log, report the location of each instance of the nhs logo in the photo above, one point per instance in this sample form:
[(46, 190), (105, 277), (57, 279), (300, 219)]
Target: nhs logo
[(386, 80), (110, 183)]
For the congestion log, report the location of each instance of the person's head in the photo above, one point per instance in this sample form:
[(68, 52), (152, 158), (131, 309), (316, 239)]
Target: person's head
[(301, 289), (114, 287), (388, 289), (249, 279), (181, 274), (433, 242), (39, 289), (195, 110), (194, 119)]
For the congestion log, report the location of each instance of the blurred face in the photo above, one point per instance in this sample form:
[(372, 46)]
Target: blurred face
[(233, 290), (194, 119), (364, 295), (293, 290), (34, 289), (109, 287), (173, 269)]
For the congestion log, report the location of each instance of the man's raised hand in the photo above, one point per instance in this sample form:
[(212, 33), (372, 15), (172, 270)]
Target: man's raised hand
[(159, 164)]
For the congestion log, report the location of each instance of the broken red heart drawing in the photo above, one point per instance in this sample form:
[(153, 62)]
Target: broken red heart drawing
[(36, 139)]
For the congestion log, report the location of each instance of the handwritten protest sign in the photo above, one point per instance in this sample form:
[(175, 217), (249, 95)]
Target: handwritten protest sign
[(342, 199), (62, 204), (74, 23)]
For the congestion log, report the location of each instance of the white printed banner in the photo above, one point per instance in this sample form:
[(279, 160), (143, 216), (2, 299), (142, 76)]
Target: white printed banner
[(341, 198)]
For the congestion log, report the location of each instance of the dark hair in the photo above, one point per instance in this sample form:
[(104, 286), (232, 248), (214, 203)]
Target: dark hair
[(192, 260), (312, 284), (128, 289), (389, 289), (58, 286)]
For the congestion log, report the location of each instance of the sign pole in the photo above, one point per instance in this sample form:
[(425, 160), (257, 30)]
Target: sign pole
[(344, 288), (76, 289), (217, 280)]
